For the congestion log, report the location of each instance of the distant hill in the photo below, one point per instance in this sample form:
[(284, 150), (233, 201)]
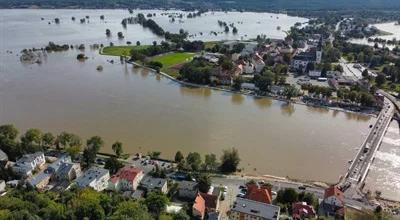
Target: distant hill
[(258, 5)]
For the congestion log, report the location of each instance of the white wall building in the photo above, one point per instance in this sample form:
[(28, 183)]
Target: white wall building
[(95, 177), (27, 163)]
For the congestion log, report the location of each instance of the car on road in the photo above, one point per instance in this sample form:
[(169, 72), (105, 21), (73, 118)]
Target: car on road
[(240, 195), (302, 187)]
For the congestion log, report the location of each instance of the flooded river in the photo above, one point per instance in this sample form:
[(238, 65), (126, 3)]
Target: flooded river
[(148, 112)]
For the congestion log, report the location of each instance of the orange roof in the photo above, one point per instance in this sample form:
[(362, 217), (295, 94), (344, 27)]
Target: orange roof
[(259, 194), (211, 201), (128, 173), (200, 204), (334, 191)]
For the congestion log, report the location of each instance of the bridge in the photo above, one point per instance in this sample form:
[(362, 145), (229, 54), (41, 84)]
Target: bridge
[(353, 181)]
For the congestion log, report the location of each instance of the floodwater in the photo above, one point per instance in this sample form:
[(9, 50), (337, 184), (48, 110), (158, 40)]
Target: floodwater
[(390, 27), (148, 112), (384, 175)]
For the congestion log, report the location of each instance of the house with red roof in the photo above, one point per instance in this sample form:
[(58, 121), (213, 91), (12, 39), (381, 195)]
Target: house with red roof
[(333, 200), (126, 179), (204, 204), (199, 207), (300, 210), (259, 193)]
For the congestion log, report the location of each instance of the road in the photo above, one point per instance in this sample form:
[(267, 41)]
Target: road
[(360, 165)]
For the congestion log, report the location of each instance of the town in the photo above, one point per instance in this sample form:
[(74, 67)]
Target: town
[(61, 176), (185, 188)]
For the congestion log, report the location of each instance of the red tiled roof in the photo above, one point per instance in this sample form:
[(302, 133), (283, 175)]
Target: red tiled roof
[(334, 191), (259, 194), (300, 209), (211, 201), (128, 173), (200, 204)]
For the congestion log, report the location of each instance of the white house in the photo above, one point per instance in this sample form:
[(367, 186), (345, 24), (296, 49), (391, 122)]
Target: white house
[(258, 62), (27, 163), (95, 177), (248, 68), (126, 179), (2, 186)]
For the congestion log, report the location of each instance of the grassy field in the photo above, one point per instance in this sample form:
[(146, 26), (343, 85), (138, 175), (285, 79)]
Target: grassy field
[(210, 44), (121, 50), (170, 60)]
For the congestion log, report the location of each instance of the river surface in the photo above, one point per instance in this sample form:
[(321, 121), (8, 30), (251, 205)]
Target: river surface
[(148, 112), (384, 175)]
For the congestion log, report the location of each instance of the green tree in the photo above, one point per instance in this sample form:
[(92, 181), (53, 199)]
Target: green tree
[(156, 203), (179, 157), (65, 140), (130, 210), (287, 196), (48, 140), (264, 81), (290, 91), (113, 165), (380, 79), (93, 146), (117, 148), (237, 83), (31, 141), (204, 181), (210, 162), (365, 73), (193, 160), (230, 160), (181, 215)]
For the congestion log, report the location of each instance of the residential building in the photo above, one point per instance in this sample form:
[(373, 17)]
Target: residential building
[(301, 60), (95, 177), (187, 190), (199, 207), (248, 68), (29, 162), (3, 156), (41, 179), (126, 179), (249, 209), (68, 172), (300, 210), (314, 73), (3, 159), (259, 193), (154, 184), (333, 200), (2, 186), (258, 63), (206, 204)]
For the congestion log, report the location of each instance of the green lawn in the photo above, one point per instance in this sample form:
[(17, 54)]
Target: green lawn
[(210, 44), (121, 50), (169, 60), (165, 217)]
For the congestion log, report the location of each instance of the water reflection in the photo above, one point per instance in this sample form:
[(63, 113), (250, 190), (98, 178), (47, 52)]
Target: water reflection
[(262, 103), (321, 110), (237, 98), (287, 108), (195, 91), (358, 117)]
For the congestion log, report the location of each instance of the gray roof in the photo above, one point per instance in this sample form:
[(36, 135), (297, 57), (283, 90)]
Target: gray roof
[(50, 170), (29, 158), (90, 175), (3, 156), (188, 185), (254, 208), (149, 182)]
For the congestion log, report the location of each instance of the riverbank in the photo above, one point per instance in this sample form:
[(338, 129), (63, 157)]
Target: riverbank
[(247, 93)]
